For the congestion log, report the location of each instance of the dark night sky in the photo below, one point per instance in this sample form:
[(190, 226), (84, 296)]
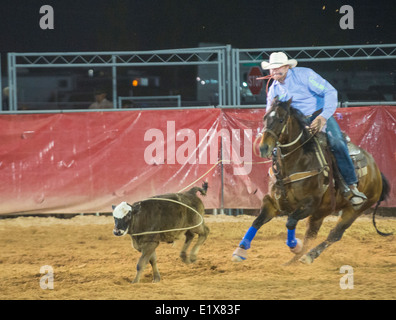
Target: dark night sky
[(113, 25)]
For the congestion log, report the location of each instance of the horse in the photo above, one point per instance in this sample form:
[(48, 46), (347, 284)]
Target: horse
[(306, 184)]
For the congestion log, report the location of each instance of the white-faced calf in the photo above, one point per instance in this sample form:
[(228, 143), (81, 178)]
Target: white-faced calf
[(162, 218)]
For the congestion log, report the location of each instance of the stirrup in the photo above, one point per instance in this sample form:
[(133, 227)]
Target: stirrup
[(354, 196), (356, 201)]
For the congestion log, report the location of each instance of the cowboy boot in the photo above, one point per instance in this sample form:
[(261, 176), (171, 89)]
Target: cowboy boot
[(350, 193), (357, 197)]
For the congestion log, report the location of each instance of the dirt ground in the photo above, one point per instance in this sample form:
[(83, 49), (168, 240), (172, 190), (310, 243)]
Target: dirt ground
[(88, 262)]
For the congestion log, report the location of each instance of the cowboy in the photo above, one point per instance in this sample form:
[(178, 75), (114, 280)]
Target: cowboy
[(317, 99)]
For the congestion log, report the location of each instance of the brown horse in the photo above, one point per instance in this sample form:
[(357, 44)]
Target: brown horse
[(303, 184)]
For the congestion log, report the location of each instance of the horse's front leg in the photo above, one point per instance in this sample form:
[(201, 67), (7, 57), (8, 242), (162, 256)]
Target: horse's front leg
[(267, 212), (306, 209)]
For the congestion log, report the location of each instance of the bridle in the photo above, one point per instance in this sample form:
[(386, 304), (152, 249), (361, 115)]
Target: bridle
[(277, 137)]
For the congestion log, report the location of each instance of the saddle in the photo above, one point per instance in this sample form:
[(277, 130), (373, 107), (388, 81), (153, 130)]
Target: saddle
[(358, 158)]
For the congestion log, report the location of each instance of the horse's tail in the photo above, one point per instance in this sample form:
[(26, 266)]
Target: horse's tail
[(384, 194), (385, 188)]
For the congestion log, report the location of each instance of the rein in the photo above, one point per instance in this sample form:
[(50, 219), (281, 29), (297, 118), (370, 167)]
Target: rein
[(293, 143), (286, 145)]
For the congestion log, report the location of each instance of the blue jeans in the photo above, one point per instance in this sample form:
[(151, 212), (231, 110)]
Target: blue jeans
[(339, 148)]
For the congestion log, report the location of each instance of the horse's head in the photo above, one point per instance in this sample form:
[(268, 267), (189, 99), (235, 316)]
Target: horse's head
[(275, 124)]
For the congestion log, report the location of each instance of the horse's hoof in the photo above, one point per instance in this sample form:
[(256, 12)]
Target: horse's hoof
[(298, 247), (236, 258), (239, 255), (306, 259)]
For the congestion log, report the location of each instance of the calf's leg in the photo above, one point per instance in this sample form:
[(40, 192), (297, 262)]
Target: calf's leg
[(183, 253), (148, 249), (153, 262), (202, 235)]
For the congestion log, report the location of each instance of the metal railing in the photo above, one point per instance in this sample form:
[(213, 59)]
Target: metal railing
[(179, 57), (151, 99), (367, 103)]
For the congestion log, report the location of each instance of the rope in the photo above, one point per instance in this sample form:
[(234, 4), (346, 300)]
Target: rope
[(268, 77), (170, 230), (207, 172), (183, 204), (220, 161)]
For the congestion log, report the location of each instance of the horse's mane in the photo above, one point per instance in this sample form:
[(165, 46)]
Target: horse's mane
[(303, 125)]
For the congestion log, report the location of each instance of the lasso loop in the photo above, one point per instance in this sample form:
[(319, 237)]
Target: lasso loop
[(170, 230)]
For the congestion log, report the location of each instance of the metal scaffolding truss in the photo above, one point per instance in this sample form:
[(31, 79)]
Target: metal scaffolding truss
[(110, 59), (308, 54), (329, 53)]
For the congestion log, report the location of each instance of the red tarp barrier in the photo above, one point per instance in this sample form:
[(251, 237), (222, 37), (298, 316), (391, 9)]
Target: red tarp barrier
[(85, 162)]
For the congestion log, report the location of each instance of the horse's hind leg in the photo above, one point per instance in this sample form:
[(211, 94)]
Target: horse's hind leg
[(348, 217), (313, 226), (267, 212)]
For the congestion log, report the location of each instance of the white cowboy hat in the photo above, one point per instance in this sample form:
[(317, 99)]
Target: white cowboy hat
[(278, 59)]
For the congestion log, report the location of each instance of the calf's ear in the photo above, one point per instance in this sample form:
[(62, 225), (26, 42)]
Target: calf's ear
[(113, 206), (135, 207)]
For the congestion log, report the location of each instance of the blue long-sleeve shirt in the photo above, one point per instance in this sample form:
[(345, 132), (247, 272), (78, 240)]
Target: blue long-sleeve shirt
[(308, 90)]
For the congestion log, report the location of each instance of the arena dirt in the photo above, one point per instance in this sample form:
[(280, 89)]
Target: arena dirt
[(90, 263)]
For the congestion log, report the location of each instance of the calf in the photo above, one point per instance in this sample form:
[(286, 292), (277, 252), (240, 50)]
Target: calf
[(162, 218)]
